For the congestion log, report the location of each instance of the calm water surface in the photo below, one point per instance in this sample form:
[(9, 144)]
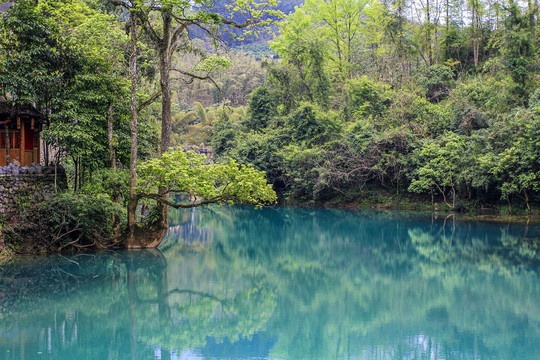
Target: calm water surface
[(236, 283)]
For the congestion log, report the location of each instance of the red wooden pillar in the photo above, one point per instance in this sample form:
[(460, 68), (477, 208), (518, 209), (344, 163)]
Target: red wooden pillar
[(23, 148)]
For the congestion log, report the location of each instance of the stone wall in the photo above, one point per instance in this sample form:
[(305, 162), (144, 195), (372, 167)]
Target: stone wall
[(32, 183)]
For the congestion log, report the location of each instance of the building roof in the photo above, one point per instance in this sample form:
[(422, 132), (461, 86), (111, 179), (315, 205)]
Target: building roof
[(8, 109), (4, 7)]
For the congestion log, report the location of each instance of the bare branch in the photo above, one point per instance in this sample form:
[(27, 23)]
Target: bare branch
[(123, 3), (175, 37), (199, 77), (149, 101), (237, 25)]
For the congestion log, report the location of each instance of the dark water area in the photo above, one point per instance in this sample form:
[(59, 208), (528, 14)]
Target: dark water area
[(285, 283)]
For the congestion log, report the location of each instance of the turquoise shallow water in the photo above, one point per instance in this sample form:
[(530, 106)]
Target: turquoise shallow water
[(289, 283)]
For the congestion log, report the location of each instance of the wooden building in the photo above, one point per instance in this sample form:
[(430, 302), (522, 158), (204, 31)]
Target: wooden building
[(19, 128)]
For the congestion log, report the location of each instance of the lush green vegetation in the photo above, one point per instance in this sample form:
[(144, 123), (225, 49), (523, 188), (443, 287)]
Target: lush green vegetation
[(401, 102), (90, 68), (443, 105)]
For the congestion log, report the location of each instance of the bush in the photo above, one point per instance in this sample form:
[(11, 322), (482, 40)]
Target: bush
[(534, 99), (226, 127), (311, 126), (436, 80), (261, 150), (261, 110), (110, 184), (366, 98), (63, 221), (484, 98), (415, 115)]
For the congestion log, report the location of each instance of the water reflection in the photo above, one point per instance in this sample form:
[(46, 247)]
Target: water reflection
[(234, 283)]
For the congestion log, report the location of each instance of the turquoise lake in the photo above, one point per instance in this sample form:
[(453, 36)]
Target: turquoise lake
[(285, 283)]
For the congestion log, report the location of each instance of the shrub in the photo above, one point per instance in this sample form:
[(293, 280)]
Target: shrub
[(63, 221), (261, 110), (311, 126), (436, 80), (108, 183), (366, 97)]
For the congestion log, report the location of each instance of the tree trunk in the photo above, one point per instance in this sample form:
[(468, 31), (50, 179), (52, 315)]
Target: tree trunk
[(132, 201), (527, 199), (533, 9), (165, 56), (428, 34), (81, 172), (112, 154), (76, 180), (166, 122), (475, 24)]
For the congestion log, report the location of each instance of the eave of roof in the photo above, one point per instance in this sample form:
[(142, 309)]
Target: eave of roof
[(20, 110), (5, 6)]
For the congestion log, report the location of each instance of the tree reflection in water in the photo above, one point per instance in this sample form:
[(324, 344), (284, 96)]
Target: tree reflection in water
[(117, 305), (235, 283)]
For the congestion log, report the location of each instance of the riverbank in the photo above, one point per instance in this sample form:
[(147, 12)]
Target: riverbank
[(380, 199)]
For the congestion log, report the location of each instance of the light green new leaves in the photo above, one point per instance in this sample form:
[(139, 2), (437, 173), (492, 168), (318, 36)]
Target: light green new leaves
[(518, 166), (95, 34), (177, 171), (440, 165), (213, 63), (338, 27)]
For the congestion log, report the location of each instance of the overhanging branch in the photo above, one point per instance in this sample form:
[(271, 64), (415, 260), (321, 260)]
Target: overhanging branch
[(160, 199), (237, 25), (149, 101)]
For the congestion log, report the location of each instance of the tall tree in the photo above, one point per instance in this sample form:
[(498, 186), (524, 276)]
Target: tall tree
[(476, 10), (517, 48), (167, 25), (61, 57)]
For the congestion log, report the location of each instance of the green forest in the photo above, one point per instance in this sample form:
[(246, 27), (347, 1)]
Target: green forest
[(431, 105)]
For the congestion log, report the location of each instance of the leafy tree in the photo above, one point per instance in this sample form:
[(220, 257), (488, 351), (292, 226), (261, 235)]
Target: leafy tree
[(226, 129), (336, 21), (440, 167), (518, 166), (261, 110), (437, 80), (167, 32), (34, 59), (187, 172), (263, 151), (518, 47), (310, 126), (366, 98), (71, 54), (305, 57)]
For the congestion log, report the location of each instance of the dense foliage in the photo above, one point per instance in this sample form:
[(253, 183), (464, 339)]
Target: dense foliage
[(67, 59), (189, 173), (414, 99), (361, 99), (72, 59), (64, 221)]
